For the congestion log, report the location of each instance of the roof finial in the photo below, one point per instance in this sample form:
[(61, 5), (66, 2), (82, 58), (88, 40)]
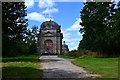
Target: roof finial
[(64, 42)]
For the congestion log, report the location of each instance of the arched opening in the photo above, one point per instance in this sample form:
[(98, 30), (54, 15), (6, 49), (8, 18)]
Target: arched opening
[(48, 46)]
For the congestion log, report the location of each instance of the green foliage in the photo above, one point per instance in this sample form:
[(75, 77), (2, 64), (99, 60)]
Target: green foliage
[(86, 54), (32, 39), (14, 27), (16, 38), (73, 53), (19, 48), (100, 21)]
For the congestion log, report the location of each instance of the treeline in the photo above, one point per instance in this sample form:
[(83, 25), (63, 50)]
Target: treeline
[(16, 38), (101, 28)]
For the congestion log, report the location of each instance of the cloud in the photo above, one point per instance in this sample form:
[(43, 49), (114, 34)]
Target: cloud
[(66, 34), (116, 1), (37, 17), (69, 40), (44, 15), (72, 43), (50, 10), (69, 0), (74, 48), (46, 3), (29, 3), (79, 34), (75, 26)]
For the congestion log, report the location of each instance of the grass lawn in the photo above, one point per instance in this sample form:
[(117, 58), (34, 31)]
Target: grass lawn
[(66, 57), (21, 67), (106, 67)]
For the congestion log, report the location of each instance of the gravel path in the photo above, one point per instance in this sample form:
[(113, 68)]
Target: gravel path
[(55, 67)]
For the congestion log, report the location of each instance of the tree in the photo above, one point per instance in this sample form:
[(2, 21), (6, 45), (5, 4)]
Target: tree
[(32, 39), (14, 26), (115, 26), (100, 23), (92, 17)]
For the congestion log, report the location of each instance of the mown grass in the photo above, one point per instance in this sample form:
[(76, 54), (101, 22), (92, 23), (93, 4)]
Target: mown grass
[(106, 67), (67, 57), (21, 67)]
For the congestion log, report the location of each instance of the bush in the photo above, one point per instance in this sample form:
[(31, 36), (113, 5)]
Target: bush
[(86, 53), (74, 53), (18, 48)]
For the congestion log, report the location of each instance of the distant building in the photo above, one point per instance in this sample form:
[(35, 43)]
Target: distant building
[(50, 38), (65, 48)]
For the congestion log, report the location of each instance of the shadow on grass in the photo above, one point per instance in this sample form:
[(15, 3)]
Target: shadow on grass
[(20, 73)]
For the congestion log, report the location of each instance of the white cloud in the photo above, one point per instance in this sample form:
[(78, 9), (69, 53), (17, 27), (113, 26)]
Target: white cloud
[(72, 43), (70, 40), (46, 3), (74, 48), (79, 34), (29, 3), (69, 0), (38, 17), (75, 26), (50, 10), (66, 34), (116, 1)]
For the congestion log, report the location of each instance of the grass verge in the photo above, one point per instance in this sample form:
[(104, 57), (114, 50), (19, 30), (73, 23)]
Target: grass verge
[(66, 57), (21, 67), (106, 67)]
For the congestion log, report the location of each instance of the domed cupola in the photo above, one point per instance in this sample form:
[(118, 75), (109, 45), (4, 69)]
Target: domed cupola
[(49, 25), (50, 38)]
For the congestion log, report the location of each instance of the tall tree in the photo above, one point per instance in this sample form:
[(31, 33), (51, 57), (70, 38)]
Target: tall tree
[(100, 23), (92, 17), (32, 39), (14, 25), (115, 26)]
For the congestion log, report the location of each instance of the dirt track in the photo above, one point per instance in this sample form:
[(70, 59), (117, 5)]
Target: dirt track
[(55, 67)]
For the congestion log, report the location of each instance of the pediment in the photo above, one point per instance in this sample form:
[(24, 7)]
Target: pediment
[(48, 34)]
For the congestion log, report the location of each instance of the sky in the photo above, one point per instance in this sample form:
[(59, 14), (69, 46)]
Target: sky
[(65, 12)]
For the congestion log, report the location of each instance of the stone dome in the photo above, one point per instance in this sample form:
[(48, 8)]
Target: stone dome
[(49, 24)]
